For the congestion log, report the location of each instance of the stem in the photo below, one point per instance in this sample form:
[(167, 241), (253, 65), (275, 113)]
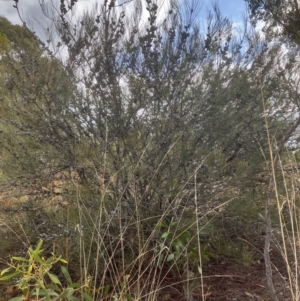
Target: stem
[(272, 186)]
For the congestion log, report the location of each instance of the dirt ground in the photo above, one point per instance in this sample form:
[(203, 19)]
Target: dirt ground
[(228, 280)]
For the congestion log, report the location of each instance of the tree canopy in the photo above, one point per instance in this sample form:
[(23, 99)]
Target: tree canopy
[(159, 96), (281, 17)]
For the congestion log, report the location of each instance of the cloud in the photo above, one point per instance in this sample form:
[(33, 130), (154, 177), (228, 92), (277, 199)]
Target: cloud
[(31, 11), (31, 8), (9, 12), (26, 7)]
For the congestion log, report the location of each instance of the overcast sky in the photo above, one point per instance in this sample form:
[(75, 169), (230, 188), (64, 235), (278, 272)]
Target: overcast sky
[(230, 8)]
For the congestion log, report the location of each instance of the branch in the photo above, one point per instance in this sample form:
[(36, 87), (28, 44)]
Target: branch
[(272, 186)]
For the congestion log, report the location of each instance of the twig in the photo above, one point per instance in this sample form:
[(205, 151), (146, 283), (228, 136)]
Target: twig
[(272, 186)]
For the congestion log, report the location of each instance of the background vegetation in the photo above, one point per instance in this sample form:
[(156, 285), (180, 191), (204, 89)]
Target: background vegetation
[(138, 148)]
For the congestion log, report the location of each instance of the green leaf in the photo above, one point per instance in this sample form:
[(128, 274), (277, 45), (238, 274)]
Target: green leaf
[(19, 258), (66, 274), (37, 258), (162, 225), (10, 276), (49, 261), (54, 278), (106, 289), (87, 297), (67, 293), (63, 260), (53, 287), (209, 255), (75, 285), (127, 296), (36, 292), (171, 257), (185, 236), (30, 268), (53, 293), (46, 293), (38, 247), (5, 271), (166, 234), (177, 244), (35, 254)]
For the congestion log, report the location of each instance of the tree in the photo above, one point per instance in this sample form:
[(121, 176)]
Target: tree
[(149, 98), (35, 97), (281, 24), (282, 18)]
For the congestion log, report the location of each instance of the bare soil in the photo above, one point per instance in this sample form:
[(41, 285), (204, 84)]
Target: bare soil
[(227, 280)]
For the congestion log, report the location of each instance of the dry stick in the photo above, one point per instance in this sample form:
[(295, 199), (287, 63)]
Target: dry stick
[(198, 241), (272, 186)]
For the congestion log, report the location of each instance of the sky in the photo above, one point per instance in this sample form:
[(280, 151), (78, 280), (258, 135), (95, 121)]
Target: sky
[(233, 9)]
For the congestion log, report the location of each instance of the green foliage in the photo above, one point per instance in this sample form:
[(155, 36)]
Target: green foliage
[(34, 277), (18, 36), (4, 43), (41, 87), (150, 105), (179, 245)]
